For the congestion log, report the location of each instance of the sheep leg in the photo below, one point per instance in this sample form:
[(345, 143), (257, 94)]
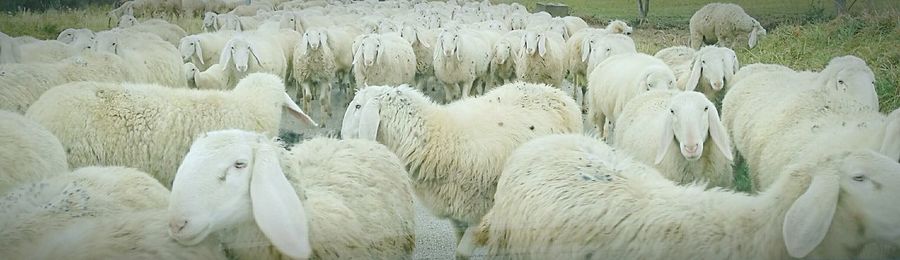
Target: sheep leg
[(307, 95), (466, 87), (579, 97), (325, 100)]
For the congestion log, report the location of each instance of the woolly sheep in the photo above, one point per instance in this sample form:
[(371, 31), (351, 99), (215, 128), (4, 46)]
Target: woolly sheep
[(709, 71), (99, 123), (503, 57), (165, 30), (23, 84), (541, 58), (460, 58), (679, 59), (80, 38), (149, 58), (454, 179), (92, 213), (574, 24), (591, 52), (251, 9), (203, 49), (193, 8), (422, 42), (609, 89), (314, 201), (48, 51), (721, 23), (212, 78), (383, 59), (251, 52), (210, 22), (685, 119), (28, 150), (824, 206), (338, 37), (314, 64)]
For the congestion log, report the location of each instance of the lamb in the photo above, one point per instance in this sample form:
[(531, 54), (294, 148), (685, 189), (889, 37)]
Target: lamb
[(715, 65), (165, 30), (212, 78), (203, 49), (628, 210), (721, 23), (541, 58), (460, 58), (23, 84), (383, 59), (686, 119), (456, 180), (100, 123), (92, 213), (149, 58), (314, 63), (265, 49), (28, 150), (609, 89), (314, 201)]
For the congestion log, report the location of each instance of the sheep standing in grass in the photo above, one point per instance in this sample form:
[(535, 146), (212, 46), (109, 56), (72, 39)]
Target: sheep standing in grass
[(453, 172), (694, 145), (541, 58), (826, 205), (28, 150), (314, 64), (383, 59), (593, 49), (610, 88), (460, 58), (325, 199), (100, 123), (721, 24)]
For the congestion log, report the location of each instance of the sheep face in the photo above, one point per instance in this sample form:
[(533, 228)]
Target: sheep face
[(502, 50), (657, 79), (190, 46), (230, 22), (370, 48), (602, 47), (289, 21), (231, 177), (71, 35), (190, 71), (715, 65), (529, 44), (620, 27), (107, 42), (127, 21), (312, 40), (692, 118), (856, 82), (448, 42), (240, 50), (386, 26), (210, 23)]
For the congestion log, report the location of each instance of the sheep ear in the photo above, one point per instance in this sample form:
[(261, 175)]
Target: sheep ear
[(456, 49), (323, 39), (277, 209), (542, 45), (253, 52), (380, 52), (225, 57), (357, 56), (808, 219), (666, 139), (585, 50), (199, 51), (350, 124), (694, 78), (369, 119), (753, 37), (422, 41), (298, 113), (304, 45), (733, 69), (718, 133)]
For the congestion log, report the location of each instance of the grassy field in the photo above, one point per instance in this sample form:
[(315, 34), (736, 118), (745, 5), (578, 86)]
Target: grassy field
[(803, 34)]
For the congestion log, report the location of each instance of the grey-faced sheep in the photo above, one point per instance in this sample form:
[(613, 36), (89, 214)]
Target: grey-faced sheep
[(28, 150), (680, 134), (149, 127), (456, 180), (722, 23), (314, 201), (823, 206)]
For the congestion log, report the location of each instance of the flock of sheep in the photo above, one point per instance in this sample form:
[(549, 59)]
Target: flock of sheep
[(145, 142)]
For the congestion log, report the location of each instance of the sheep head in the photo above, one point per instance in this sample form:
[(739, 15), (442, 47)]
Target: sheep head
[(689, 120), (502, 50), (620, 27), (716, 65), (190, 46), (210, 23), (190, 71), (231, 177), (370, 48), (240, 50), (849, 75), (127, 21), (449, 43)]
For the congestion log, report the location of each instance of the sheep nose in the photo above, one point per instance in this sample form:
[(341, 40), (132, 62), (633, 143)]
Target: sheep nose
[(176, 225), (717, 85), (242, 68), (691, 148)]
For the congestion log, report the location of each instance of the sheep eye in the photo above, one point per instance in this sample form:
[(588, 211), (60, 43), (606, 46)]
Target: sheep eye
[(840, 81), (703, 61), (358, 106), (672, 111), (705, 109), (859, 178), (240, 165)]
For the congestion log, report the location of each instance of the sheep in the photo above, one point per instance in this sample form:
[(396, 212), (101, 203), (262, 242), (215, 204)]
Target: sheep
[(721, 23), (823, 206), (574, 24), (23, 84), (265, 50), (338, 37), (686, 119), (251, 9), (716, 67), (212, 78), (422, 42), (81, 37), (202, 49), (314, 63), (456, 180), (503, 57), (609, 89), (590, 52), (383, 59), (620, 27), (29, 151), (92, 213), (210, 22), (100, 123), (460, 58), (149, 58), (314, 201), (48, 51), (541, 58), (9, 50), (165, 30)]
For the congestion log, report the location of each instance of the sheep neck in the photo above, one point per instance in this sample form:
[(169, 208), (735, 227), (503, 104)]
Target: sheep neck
[(405, 130)]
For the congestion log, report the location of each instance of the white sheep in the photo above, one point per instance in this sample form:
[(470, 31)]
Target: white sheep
[(100, 123), (210, 22), (620, 27), (213, 77), (149, 58), (823, 206), (721, 23), (702, 150), (48, 51), (29, 151), (503, 57), (9, 50), (251, 52), (541, 58), (314, 201), (23, 84), (92, 213), (338, 37), (454, 179), (314, 64), (593, 49), (574, 24), (81, 38), (460, 58), (610, 87), (679, 58), (168, 32), (422, 42), (205, 48), (708, 71), (383, 59)]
